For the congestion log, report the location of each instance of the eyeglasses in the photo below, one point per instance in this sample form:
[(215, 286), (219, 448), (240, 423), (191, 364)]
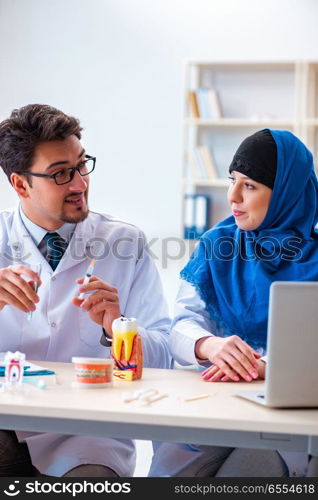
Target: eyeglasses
[(65, 175)]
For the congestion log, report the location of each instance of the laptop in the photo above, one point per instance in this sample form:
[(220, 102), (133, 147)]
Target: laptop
[(292, 356)]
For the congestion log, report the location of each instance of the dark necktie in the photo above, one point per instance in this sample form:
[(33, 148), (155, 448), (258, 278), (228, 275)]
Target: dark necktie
[(56, 247)]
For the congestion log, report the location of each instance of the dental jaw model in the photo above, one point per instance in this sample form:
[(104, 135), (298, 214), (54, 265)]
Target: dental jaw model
[(127, 349)]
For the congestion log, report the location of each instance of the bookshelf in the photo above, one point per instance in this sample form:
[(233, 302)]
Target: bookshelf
[(223, 103)]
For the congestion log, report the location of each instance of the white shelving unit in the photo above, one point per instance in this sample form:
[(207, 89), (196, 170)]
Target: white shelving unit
[(252, 96)]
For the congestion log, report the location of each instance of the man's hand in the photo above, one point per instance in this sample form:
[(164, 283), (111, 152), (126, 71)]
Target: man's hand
[(102, 305), (232, 358), (17, 292)]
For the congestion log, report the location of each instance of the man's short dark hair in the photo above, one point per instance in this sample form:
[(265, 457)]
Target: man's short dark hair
[(26, 128)]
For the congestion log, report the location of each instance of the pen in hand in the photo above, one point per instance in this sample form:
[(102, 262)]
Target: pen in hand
[(37, 268), (87, 276)]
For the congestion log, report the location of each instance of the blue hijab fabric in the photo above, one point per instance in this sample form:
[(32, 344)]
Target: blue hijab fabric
[(233, 269)]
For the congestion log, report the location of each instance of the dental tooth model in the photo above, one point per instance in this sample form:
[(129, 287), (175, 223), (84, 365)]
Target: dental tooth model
[(14, 366), (127, 349)]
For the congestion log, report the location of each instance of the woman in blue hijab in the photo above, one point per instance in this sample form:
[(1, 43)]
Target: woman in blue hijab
[(270, 237), (221, 310)]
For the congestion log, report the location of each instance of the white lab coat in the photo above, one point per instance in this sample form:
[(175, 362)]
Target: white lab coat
[(59, 330)]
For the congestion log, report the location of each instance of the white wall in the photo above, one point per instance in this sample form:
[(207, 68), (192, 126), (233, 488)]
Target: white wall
[(117, 65)]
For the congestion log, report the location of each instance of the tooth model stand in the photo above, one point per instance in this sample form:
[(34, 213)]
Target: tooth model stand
[(127, 349)]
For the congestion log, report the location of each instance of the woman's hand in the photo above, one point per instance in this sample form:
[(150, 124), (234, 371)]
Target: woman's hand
[(214, 374), (232, 358), (261, 368), (102, 305)]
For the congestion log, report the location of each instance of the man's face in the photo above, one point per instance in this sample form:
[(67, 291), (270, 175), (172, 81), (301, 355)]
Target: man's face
[(50, 205)]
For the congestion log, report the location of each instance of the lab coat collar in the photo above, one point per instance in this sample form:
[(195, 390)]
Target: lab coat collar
[(23, 250), (21, 246), (37, 232)]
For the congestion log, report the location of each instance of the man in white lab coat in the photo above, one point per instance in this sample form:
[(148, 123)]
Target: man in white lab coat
[(42, 156)]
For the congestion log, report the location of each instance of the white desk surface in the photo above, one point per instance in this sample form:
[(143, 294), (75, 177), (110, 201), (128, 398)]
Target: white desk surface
[(220, 411)]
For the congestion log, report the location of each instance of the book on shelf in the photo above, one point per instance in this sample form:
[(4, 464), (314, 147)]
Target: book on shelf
[(213, 103), (193, 104), (205, 103), (194, 167), (202, 165), (196, 215), (208, 162)]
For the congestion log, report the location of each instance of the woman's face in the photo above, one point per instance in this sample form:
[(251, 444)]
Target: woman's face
[(249, 201)]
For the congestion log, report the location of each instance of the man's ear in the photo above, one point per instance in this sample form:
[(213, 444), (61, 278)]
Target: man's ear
[(20, 185)]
